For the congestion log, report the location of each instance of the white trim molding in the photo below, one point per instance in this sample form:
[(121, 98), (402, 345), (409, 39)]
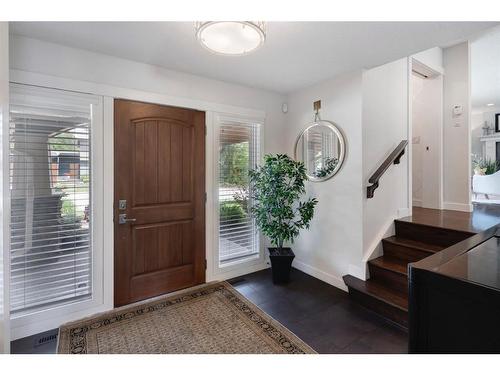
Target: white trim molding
[(319, 274), (4, 191), (43, 80), (465, 207), (215, 271), (40, 320)]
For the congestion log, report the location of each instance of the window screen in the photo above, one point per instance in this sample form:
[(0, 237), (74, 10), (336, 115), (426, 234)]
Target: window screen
[(239, 151), (50, 179)]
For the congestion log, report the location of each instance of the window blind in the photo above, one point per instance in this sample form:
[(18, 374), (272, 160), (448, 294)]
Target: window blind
[(50, 179), (239, 151)]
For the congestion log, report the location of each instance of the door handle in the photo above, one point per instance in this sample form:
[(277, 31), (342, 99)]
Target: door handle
[(122, 219)]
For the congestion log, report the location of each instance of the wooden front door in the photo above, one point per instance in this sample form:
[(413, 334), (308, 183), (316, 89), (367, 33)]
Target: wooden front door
[(160, 188)]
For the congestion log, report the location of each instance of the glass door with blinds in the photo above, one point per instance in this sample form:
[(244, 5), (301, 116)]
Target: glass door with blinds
[(238, 151), (52, 211)]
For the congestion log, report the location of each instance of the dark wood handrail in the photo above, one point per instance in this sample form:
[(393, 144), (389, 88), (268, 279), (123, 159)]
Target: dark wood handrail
[(393, 158)]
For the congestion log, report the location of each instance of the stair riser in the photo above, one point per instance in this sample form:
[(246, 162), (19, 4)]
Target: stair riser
[(405, 253), (389, 312), (392, 279), (438, 236)]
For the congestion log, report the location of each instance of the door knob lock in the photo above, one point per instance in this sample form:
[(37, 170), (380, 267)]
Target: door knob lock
[(122, 219)]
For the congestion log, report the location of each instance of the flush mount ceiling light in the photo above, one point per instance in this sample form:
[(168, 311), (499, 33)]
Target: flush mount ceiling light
[(233, 38), (490, 104)]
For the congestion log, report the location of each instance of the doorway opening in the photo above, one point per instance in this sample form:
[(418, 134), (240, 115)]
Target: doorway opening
[(427, 136)]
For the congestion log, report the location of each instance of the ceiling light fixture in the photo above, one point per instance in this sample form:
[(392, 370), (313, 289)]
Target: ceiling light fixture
[(232, 38), (490, 104)]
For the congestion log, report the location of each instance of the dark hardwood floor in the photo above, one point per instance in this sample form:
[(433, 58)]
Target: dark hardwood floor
[(322, 315), (483, 216)]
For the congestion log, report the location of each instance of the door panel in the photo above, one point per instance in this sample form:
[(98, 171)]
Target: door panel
[(159, 171)]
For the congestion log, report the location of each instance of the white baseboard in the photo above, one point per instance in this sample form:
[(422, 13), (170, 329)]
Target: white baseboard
[(334, 280), (417, 203), (457, 206), (19, 330), (238, 272), (403, 212)]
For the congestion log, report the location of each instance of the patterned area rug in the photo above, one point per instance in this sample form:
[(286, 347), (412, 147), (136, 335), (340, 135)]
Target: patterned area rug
[(212, 318)]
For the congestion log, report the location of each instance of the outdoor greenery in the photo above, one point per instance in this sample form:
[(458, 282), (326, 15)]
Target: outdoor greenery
[(64, 142), (277, 187), (232, 210), (69, 210), (484, 165), (233, 164)]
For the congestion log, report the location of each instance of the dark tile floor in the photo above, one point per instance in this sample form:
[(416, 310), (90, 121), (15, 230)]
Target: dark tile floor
[(320, 314)]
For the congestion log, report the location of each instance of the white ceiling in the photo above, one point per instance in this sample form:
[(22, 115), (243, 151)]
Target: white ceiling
[(295, 55), (485, 69)]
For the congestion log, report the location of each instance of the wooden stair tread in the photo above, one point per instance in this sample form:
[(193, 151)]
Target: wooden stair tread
[(435, 226), (423, 246), (378, 291), (391, 264), (386, 292)]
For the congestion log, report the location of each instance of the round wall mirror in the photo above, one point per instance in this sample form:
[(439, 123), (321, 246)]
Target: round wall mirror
[(321, 147)]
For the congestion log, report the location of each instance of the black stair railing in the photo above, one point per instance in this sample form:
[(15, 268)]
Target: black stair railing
[(393, 158)]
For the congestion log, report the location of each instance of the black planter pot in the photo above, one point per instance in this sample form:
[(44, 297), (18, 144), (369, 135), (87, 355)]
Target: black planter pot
[(281, 263)]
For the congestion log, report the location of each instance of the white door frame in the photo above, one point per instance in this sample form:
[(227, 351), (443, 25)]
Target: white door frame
[(415, 64), (240, 267), (44, 319), (4, 191)]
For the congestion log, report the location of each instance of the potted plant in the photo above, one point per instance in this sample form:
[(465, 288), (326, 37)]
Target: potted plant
[(276, 189), (483, 166)]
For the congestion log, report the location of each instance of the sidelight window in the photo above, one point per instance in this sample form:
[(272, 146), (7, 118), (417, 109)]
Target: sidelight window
[(239, 151), (51, 202)]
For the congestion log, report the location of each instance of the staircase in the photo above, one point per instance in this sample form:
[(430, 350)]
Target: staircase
[(386, 291)]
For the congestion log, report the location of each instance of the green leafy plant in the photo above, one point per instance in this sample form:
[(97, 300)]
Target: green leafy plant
[(232, 210), (485, 165), (233, 164), (277, 187), (329, 166)]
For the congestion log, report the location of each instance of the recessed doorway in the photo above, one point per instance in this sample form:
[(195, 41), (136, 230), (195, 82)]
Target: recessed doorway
[(427, 136)]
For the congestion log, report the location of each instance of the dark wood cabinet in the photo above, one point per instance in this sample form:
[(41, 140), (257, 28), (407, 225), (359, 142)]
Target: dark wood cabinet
[(454, 298)]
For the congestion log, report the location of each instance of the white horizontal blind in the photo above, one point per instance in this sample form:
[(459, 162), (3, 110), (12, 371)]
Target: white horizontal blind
[(239, 151), (51, 255)]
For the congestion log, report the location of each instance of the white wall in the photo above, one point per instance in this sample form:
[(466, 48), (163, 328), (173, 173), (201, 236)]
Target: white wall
[(432, 57), (334, 241), (4, 187), (385, 125), (456, 132), (37, 56), (371, 107)]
